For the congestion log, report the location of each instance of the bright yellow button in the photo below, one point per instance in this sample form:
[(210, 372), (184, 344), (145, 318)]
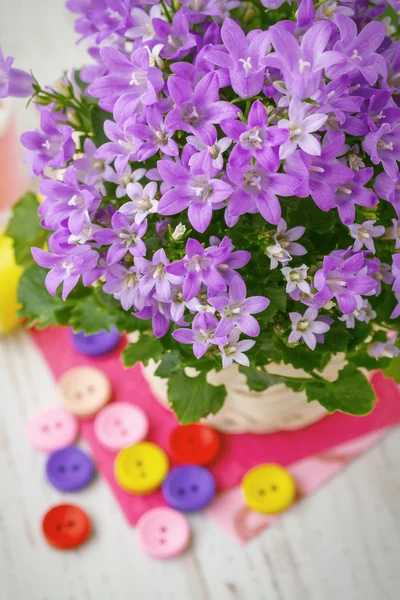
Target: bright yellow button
[(10, 274), (141, 468), (269, 489)]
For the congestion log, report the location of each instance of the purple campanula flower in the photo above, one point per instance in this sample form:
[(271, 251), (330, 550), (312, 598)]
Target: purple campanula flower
[(286, 238), (142, 203), (197, 111), (244, 58), (277, 255), (301, 125), (100, 18), (396, 312), (67, 199), (353, 192), (195, 189), (343, 279), (143, 23), (320, 175), (255, 139), (66, 268), (365, 314), (393, 233), (257, 191), (122, 148), (234, 350), (234, 259), (307, 327), (175, 37), (200, 266), (13, 82), (123, 284), (154, 275), (383, 146), (91, 170), (51, 145), (296, 278), (384, 349), (396, 272), (128, 82), (123, 237), (204, 333), (155, 135), (238, 310), (377, 111), (302, 64), (389, 189), (128, 176), (358, 50), (160, 315), (364, 235), (216, 149)]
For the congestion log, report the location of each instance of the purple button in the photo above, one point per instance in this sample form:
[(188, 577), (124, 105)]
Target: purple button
[(96, 344), (189, 488), (69, 469)]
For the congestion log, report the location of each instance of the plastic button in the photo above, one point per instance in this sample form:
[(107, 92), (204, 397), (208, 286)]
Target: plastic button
[(269, 489), (140, 469), (85, 391), (189, 488), (51, 429), (120, 424), (66, 526), (196, 444), (69, 469), (163, 533), (96, 344)]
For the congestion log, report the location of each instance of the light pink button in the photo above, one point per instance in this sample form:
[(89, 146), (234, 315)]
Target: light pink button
[(52, 429), (120, 424), (163, 532)]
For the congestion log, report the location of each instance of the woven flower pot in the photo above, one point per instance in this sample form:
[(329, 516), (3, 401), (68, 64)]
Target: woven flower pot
[(277, 408)]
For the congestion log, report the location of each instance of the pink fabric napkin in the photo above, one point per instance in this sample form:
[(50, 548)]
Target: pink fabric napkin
[(238, 452)]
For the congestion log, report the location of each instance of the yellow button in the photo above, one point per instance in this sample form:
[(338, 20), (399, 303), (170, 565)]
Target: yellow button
[(269, 489), (10, 273), (141, 468)]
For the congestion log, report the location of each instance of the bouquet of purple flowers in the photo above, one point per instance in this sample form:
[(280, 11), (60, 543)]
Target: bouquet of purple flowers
[(224, 178)]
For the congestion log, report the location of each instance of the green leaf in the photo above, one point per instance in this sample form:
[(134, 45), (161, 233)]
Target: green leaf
[(259, 380), (170, 363), (336, 339), (38, 306), (361, 358), (301, 357), (147, 347), (24, 228), (393, 370), (278, 298), (192, 398), (99, 116), (351, 393), (90, 316)]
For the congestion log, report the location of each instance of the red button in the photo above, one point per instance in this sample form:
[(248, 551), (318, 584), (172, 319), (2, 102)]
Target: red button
[(194, 444), (66, 526)]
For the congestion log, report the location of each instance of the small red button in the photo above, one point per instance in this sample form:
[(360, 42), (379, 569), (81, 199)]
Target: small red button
[(66, 526), (194, 444)]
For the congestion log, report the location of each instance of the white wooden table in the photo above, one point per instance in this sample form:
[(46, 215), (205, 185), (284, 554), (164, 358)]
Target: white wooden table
[(343, 543)]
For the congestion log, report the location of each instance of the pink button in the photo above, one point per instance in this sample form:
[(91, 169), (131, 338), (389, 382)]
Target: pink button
[(52, 429), (120, 424), (163, 532)]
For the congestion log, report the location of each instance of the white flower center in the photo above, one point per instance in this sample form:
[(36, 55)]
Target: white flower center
[(355, 55), (127, 237), (303, 325), (247, 66), (130, 280), (77, 201), (304, 66)]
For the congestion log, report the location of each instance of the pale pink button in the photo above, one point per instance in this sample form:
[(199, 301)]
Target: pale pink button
[(52, 429), (163, 532), (85, 391), (120, 424)]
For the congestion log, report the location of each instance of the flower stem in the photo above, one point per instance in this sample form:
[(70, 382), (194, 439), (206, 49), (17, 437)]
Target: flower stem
[(166, 11)]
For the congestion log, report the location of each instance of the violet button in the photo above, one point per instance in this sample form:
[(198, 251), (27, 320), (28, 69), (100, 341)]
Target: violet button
[(69, 469), (96, 344), (189, 488)]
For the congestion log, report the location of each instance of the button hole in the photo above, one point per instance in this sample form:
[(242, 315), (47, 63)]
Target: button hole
[(117, 422), (274, 487), (58, 527), (194, 488), (58, 425), (124, 432), (61, 469), (138, 463), (163, 529), (142, 474), (45, 428), (261, 492), (78, 396), (91, 389), (70, 523), (181, 491), (161, 541), (75, 467)]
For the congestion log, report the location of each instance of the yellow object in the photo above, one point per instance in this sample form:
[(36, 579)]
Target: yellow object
[(10, 274), (269, 489), (141, 468)]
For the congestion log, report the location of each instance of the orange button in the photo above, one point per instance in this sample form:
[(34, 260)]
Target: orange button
[(194, 444)]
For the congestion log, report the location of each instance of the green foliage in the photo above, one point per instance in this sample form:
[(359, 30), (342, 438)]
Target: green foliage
[(25, 230), (393, 369), (259, 380), (170, 363), (38, 306), (192, 398), (147, 347), (351, 393), (99, 116)]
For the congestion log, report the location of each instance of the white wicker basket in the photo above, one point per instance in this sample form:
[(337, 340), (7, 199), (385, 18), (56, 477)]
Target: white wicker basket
[(277, 408)]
